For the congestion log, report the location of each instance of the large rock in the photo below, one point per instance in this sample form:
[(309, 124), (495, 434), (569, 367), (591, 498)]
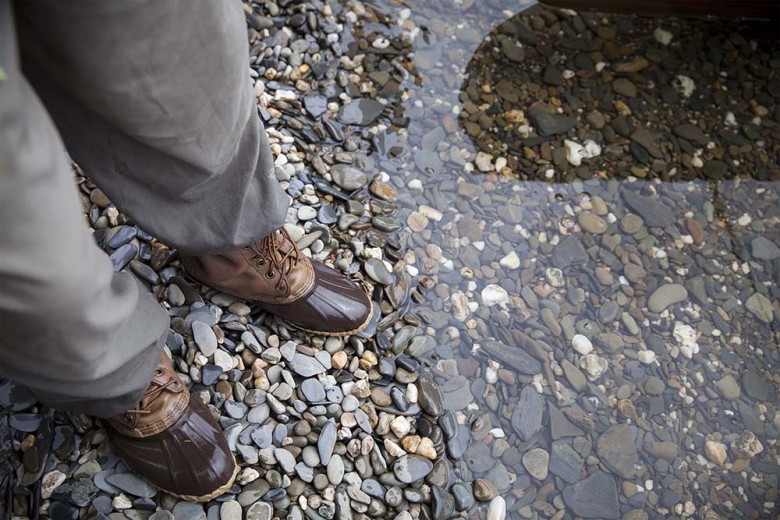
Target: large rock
[(617, 450), (527, 416), (594, 497), (653, 212)]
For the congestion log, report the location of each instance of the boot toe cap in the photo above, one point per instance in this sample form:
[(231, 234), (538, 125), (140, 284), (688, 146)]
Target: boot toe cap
[(191, 459), (334, 306)]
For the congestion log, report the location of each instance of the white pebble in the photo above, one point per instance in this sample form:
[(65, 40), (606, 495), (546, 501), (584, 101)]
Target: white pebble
[(497, 509), (663, 37), (646, 356), (510, 261), (494, 294), (581, 344)]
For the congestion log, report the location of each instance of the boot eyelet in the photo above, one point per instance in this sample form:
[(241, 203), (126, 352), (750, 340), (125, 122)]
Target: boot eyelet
[(269, 275)]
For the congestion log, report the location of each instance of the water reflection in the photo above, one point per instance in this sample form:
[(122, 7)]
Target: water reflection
[(600, 247)]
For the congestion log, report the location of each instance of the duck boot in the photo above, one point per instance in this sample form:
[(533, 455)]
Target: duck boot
[(173, 441), (274, 274)]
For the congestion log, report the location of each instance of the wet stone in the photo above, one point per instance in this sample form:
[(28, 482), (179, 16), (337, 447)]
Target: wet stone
[(442, 504), (665, 296), (347, 177), (728, 387), (653, 212), (478, 458), (360, 112), (616, 448), (536, 463), (764, 249), (430, 396), (565, 462), (594, 497), (456, 393), (527, 416), (550, 124), (411, 468), (760, 306), (569, 252)]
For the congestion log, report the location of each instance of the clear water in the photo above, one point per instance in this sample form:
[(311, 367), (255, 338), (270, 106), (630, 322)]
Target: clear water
[(655, 370)]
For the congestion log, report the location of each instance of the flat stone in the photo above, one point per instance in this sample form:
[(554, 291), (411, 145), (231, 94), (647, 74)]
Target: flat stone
[(442, 504), (360, 112), (430, 395), (756, 385), (305, 366), (260, 511), (624, 87), (565, 463), (527, 415), (230, 510), (478, 458), (514, 357), (646, 140), (569, 252), (133, 484), (763, 249), (550, 124), (315, 105), (204, 337), (666, 295), (728, 387), (690, 132), (761, 307), (536, 461), (653, 212), (616, 448), (377, 271), (326, 441), (411, 468), (313, 391), (335, 470), (560, 426), (464, 498), (592, 223), (594, 497), (714, 169), (347, 177), (456, 394), (285, 460)]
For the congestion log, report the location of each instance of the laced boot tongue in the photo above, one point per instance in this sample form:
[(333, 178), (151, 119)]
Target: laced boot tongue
[(162, 402), (279, 255)]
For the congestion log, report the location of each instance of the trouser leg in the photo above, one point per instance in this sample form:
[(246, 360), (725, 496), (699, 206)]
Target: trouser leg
[(154, 100), (80, 336)]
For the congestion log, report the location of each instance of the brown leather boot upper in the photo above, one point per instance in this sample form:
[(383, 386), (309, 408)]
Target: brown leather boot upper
[(173, 441), (276, 275)]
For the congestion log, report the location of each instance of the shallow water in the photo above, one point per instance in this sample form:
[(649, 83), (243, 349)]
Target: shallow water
[(541, 274)]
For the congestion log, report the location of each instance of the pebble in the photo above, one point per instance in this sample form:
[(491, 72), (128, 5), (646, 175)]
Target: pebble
[(536, 461), (411, 468), (204, 337), (665, 296)]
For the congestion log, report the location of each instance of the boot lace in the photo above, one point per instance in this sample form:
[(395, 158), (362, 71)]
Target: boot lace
[(150, 395), (279, 261)]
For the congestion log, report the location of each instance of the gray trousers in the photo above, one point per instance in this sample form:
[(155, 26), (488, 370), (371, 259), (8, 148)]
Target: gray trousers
[(153, 99)]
